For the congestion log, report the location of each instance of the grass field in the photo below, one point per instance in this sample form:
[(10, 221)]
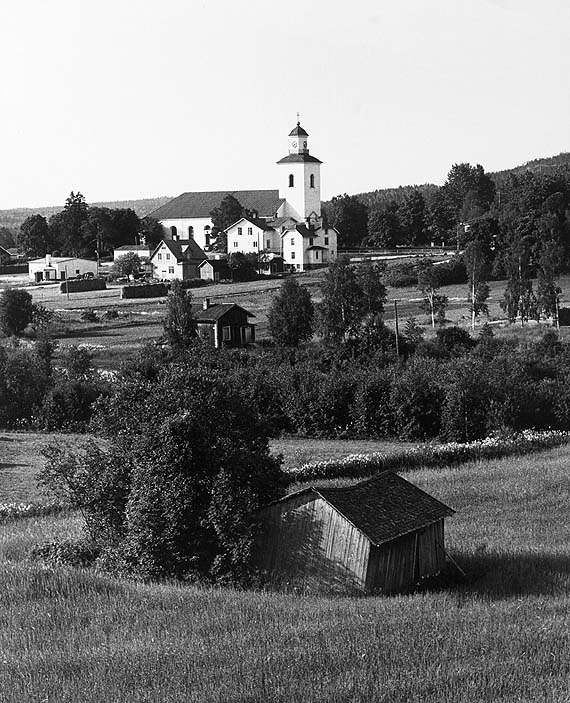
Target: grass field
[(113, 341), (503, 635)]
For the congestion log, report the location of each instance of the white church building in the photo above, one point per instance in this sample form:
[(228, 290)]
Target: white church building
[(286, 222)]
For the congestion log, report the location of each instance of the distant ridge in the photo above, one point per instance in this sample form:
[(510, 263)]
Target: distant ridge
[(13, 218)]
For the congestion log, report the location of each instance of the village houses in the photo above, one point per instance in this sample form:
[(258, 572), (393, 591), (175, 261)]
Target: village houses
[(284, 224)]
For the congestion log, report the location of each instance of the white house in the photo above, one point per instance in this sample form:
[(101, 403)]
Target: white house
[(58, 268), (177, 259), (285, 222)]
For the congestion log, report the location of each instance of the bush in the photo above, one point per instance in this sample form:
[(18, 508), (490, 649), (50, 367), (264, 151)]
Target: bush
[(372, 412), (177, 492), (65, 553), (82, 285), (401, 275), (145, 290), (89, 315), (16, 311), (111, 314), (417, 398)]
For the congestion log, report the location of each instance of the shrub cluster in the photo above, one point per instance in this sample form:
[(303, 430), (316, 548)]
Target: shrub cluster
[(82, 285), (145, 290)]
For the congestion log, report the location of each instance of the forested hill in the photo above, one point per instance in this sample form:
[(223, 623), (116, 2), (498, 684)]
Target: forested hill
[(13, 218), (385, 195)]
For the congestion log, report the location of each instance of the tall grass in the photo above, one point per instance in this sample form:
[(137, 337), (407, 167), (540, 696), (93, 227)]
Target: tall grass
[(503, 635)]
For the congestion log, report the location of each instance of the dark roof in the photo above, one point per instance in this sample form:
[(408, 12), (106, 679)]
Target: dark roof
[(298, 131), (278, 221), (257, 221), (314, 247), (183, 249), (215, 311), (217, 264), (132, 247), (385, 506), (200, 204), (296, 158)]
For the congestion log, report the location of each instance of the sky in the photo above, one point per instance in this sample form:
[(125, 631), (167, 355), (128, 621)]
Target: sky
[(123, 100)]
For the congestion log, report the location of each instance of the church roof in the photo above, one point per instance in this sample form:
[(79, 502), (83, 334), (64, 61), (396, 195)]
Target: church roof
[(200, 204), (298, 131), (299, 158)]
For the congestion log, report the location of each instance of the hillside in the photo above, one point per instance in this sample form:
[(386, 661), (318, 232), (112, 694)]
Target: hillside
[(13, 218)]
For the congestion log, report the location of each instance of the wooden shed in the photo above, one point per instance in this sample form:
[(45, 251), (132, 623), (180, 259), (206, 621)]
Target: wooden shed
[(380, 535)]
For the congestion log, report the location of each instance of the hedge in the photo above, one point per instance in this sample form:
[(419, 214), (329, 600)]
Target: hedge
[(14, 268), (82, 285), (146, 290), (427, 456)]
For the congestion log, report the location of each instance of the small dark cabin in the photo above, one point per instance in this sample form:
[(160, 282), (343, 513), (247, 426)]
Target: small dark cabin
[(224, 324), (380, 535)]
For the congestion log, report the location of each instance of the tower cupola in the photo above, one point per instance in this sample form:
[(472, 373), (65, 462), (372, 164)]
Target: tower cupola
[(298, 140)]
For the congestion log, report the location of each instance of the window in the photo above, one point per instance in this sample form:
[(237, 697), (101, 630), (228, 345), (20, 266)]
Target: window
[(159, 257), (240, 230), (173, 232), (312, 181), (292, 241), (292, 254), (255, 245), (311, 241), (171, 269), (190, 232), (268, 244), (317, 254), (326, 241), (226, 334), (168, 256), (77, 272), (250, 230), (207, 227), (235, 244), (298, 266), (291, 180)]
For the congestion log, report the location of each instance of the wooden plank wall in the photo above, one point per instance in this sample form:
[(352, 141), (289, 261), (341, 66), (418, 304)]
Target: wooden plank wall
[(401, 563), (304, 538)]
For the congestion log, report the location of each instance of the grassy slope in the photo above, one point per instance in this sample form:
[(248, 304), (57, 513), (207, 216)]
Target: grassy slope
[(141, 320), (68, 635)]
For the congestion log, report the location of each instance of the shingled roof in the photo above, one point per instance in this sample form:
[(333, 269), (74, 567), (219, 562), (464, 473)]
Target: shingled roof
[(215, 310), (384, 507), (298, 131), (182, 249), (200, 204)]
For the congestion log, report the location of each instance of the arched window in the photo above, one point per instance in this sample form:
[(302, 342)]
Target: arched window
[(291, 180), (191, 232), (312, 181), (173, 232)]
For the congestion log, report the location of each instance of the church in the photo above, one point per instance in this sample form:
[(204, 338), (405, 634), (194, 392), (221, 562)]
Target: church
[(285, 222)]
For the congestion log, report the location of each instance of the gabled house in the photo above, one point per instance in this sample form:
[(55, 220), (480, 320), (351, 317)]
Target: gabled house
[(224, 324), (5, 258), (380, 535), (177, 260)]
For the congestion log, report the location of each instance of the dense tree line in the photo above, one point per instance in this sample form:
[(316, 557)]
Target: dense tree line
[(84, 230)]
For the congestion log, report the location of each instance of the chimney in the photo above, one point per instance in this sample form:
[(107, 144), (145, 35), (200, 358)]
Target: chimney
[(48, 259), (205, 303)]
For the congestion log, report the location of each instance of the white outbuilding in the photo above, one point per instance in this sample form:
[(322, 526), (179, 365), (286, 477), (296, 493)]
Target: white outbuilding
[(58, 268)]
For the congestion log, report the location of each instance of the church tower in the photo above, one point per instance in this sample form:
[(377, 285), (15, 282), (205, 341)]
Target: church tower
[(300, 178)]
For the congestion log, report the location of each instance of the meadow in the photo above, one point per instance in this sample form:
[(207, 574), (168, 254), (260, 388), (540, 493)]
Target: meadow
[(113, 341), (501, 635)]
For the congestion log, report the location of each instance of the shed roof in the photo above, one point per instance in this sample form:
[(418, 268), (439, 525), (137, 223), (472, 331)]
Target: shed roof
[(200, 204), (215, 310), (384, 507)]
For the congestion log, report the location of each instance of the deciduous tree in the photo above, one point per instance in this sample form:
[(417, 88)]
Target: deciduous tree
[(291, 314), (16, 311), (179, 323)]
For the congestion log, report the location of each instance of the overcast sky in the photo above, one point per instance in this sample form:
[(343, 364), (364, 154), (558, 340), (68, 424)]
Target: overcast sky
[(132, 99)]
